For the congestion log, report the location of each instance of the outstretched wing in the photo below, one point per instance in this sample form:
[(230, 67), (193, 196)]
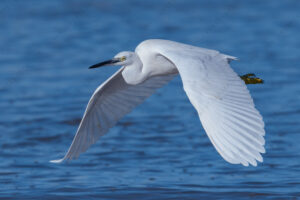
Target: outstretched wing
[(109, 103), (222, 100)]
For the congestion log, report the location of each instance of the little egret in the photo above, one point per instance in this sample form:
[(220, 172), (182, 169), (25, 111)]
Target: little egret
[(221, 98)]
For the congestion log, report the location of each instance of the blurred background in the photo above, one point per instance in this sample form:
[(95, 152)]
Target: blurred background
[(160, 150)]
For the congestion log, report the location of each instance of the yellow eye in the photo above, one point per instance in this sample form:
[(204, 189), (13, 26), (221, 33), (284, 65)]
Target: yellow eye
[(123, 58)]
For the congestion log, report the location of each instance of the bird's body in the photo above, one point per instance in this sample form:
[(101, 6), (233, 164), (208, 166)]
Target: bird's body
[(150, 63), (219, 95)]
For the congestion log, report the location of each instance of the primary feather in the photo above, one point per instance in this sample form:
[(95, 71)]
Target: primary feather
[(109, 103)]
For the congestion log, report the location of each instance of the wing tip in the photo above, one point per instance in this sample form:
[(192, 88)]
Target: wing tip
[(57, 161), (249, 161), (253, 162)]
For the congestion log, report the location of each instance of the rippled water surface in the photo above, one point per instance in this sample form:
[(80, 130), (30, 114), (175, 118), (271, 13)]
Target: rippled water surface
[(159, 151)]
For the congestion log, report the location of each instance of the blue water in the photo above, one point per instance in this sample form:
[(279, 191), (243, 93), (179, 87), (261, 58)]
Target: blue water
[(159, 151)]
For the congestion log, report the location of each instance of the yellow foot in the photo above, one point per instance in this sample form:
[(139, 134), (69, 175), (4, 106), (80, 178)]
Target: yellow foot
[(251, 79)]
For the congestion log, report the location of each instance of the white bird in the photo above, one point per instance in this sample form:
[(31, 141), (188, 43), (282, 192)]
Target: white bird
[(221, 98)]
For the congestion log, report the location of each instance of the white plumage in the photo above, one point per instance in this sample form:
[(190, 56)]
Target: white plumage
[(222, 100)]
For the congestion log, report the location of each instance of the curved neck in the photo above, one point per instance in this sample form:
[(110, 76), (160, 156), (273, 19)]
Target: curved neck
[(133, 73)]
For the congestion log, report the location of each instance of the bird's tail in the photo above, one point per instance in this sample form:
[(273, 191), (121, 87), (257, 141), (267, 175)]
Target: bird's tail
[(251, 79)]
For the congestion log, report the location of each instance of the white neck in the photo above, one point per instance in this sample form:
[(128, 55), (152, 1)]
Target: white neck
[(133, 73)]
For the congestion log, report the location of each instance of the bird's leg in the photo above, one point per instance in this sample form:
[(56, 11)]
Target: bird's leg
[(251, 79)]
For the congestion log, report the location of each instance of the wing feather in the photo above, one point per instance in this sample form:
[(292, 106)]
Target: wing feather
[(222, 100), (109, 103)]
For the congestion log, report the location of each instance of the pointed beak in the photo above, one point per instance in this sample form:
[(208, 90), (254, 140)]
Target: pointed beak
[(105, 63)]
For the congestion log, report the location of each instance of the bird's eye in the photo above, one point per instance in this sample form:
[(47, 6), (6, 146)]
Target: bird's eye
[(123, 58)]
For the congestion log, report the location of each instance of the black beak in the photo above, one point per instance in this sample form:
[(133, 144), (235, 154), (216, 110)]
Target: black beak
[(105, 63)]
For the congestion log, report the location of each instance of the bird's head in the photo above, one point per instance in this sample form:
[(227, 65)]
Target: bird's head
[(123, 58)]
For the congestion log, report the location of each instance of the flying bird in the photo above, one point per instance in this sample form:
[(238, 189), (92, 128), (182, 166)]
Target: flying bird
[(220, 96)]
